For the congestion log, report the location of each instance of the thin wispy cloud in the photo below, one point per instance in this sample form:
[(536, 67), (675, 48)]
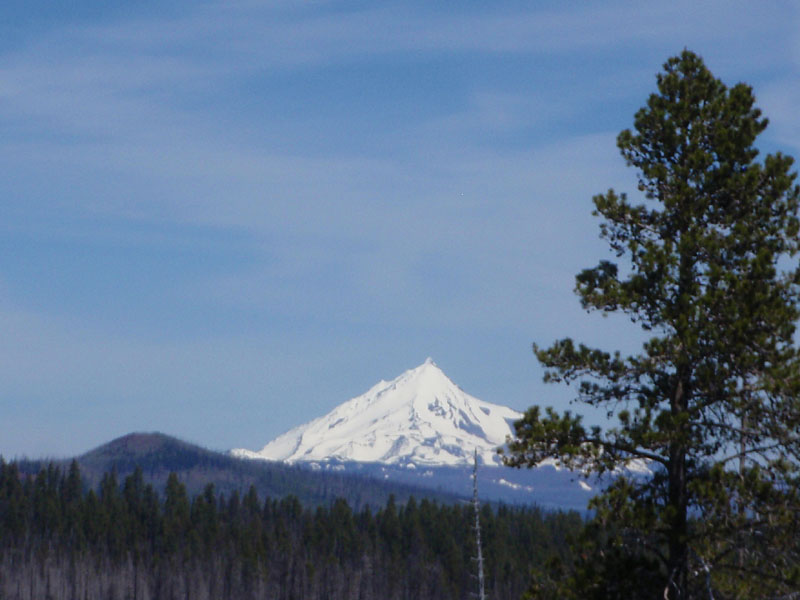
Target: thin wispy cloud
[(237, 202)]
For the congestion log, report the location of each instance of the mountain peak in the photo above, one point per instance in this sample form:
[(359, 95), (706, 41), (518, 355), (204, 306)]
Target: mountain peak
[(425, 377), (429, 366), (419, 418)]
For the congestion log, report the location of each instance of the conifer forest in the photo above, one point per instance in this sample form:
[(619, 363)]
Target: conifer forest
[(61, 540)]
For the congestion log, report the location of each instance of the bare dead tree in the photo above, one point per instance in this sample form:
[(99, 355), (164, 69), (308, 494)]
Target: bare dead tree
[(476, 507)]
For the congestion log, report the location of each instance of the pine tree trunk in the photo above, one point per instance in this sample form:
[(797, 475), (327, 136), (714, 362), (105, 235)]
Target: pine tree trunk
[(677, 559)]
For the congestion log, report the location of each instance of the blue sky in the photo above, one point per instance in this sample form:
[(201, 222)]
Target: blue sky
[(221, 219)]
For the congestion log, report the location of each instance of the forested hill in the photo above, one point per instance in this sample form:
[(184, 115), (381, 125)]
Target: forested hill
[(127, 540), (158, 455)]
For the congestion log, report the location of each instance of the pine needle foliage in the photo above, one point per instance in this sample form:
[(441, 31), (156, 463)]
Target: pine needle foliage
[(706, 265)]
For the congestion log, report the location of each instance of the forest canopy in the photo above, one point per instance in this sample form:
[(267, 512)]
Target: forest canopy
[(125, 540)]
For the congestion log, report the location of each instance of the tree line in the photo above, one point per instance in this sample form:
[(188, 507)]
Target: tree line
[(158, 455), (63, 540)]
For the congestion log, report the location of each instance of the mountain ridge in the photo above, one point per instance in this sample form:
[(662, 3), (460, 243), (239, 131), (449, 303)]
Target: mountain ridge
[(159, 454)]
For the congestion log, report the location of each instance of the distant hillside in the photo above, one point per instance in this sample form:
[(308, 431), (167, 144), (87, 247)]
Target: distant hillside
[(158, 454)]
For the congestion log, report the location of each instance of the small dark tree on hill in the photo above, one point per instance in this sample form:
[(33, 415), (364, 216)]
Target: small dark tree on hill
[(711, 402)]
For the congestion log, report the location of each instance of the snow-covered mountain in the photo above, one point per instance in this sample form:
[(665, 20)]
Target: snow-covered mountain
[(421, 429), (419, 419)]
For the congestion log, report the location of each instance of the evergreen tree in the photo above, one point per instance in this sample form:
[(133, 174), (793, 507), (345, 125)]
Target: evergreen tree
[(12, 499), (71, 495), (176, 513), (711, 401)]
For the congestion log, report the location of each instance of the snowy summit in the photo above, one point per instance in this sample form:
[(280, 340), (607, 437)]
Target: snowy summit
[(420, 418)]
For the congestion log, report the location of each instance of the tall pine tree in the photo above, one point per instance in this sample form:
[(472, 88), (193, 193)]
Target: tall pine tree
[(709, 271)]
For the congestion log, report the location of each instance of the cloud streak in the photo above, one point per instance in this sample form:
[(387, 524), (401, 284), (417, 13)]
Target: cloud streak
[(232, 204)]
